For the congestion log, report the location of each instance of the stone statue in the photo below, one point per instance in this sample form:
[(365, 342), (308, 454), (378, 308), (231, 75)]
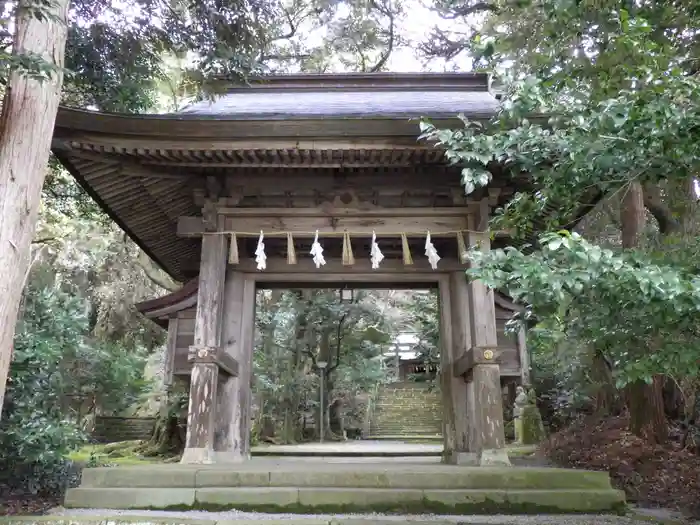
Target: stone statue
[(521, 401)]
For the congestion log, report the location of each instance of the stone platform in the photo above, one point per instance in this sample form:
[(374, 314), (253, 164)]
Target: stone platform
[(336, 486)]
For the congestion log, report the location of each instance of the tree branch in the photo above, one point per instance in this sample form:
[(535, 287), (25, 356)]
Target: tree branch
[(155, 274), (43, 240), (467, 10), (390, 44)]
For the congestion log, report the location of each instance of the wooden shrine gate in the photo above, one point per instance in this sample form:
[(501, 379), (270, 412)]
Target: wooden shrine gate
[(220, 356), (327, 158)]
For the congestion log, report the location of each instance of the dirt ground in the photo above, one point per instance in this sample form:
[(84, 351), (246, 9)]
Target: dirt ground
[(652, 476), (28, 504)]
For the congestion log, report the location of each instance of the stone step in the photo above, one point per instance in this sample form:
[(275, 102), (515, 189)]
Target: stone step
[(417, 413), (416, 410), (136, 517), (260, 473), (413, 430), (331, 487), (410, 428), (407, 421), (404, 415), (352, 499), (411, 400), (402, 434), (406, 407), (435, 438)]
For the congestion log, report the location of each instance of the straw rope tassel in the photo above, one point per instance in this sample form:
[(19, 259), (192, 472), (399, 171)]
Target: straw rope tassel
[(348, 256), (462, 249), (291, 253), (233, 250), (406, 249)]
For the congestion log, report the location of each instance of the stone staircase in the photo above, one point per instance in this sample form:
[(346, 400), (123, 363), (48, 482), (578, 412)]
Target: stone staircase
[(308, 487), (405, 411)]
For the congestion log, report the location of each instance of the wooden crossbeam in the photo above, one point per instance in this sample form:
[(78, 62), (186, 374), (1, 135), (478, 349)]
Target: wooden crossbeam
[(476, 356), (214, 355), (305, 221)]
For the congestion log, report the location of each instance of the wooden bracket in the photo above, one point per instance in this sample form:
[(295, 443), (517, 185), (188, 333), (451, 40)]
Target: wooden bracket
[(214, 355), (476, 355)]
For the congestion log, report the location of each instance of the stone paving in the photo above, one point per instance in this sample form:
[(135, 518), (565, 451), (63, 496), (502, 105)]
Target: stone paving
[(119, 517), (358, 447)]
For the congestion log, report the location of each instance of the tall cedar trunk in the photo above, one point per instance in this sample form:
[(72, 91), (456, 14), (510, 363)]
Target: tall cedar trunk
[(645, 402), (26, 129)]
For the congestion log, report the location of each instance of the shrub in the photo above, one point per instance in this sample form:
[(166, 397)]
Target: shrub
[(35, 435)]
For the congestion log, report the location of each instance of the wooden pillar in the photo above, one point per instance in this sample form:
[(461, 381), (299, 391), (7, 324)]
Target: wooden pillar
[(456, 406), (247, 347), (201, 412), (234, 400), (484, 379)]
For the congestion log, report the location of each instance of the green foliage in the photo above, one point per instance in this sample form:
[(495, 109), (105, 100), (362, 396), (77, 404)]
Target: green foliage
[(575, 134), (643, 316), (35, 433), (59, 373), (29, 64), (295, 330), (596, 96)]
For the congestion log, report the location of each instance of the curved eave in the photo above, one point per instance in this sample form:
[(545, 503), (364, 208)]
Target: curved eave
[(188, 127), (160, 309)]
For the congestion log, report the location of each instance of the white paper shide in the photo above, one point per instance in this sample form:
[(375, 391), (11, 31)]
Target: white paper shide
[(431, 252), (317, 252), (375, 255), (260, 257)]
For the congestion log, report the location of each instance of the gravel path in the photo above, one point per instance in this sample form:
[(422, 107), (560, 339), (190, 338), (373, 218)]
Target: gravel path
[(341, 519)]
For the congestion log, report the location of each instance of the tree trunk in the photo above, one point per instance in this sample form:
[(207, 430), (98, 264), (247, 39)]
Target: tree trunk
[(646, 405), (606, 398), (632, 216), (645, 402), (26, 129), (166, 439), (336, 422)]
